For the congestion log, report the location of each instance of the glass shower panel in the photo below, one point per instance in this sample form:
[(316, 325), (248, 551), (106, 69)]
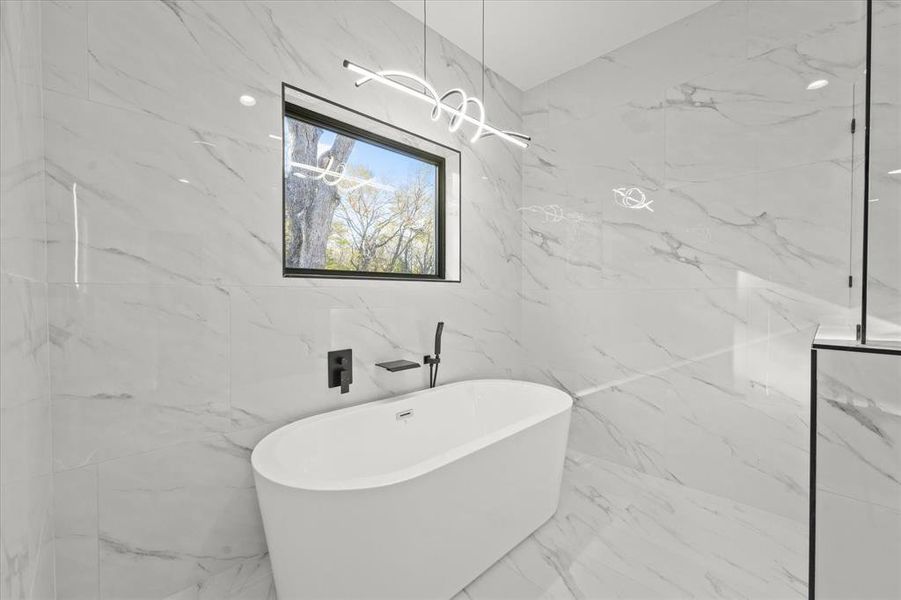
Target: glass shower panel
[(884, 222)]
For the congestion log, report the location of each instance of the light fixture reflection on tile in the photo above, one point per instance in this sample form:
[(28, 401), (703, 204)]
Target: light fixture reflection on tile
[(874, 199), (632, 197), (895, 172), (183, 181), (819, 83), (554, 213), (75, 220), (203, 143), (275, 137), (247, 100)]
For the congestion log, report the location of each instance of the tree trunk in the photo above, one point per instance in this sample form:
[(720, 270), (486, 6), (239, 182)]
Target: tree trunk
[(310, 203)]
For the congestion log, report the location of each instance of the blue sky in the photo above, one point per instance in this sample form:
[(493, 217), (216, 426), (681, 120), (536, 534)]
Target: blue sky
[(387, 167)]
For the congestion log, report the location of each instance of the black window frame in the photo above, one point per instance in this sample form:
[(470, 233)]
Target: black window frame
[(290, 110)]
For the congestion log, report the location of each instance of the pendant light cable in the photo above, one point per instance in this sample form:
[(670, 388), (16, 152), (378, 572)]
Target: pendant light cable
[(454, 102), (424, 43), (484, 99)]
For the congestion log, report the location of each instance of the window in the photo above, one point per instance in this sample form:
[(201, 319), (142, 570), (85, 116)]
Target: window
[(360, 204)]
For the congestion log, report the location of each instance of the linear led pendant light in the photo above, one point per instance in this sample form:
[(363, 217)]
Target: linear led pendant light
[(458, 111)]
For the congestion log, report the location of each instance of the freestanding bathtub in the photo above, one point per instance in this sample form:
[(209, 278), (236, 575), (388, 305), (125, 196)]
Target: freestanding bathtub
[(410, 497)]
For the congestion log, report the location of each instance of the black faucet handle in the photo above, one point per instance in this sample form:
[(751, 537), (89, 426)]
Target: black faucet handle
[(340, 369)]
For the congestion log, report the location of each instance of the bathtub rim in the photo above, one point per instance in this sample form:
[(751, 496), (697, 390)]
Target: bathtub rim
[(419, 469)]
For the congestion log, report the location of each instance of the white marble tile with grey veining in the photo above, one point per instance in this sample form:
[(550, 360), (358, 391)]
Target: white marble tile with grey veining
[(25, 434), (75, 518), (600, 336), (710, 234), (250, 580), (22, 250), (26, 490), (136, 368), (26, 539), (707, 41), (757, 117), (199, 516), (199, 214), (859, 426), (701, 424), (779, 23), (64, 38), (858, 549), (621, 534), (786, 227)]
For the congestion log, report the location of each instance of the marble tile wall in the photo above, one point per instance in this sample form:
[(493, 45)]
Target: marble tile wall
[(26, 517), (858, 541), (683, 326), (175, 343)]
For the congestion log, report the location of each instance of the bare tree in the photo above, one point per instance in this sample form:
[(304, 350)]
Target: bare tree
[(310, 203), (370, 222), (389, 232)]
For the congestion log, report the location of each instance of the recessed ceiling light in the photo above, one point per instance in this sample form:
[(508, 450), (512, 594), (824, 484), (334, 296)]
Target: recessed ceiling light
[(247, 100), (275, 137), (819, 83), (183, 181), (895, 172)]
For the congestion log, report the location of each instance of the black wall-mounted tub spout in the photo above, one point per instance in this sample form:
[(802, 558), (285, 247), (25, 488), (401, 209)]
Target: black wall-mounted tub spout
[(398, 365), (434, 361)]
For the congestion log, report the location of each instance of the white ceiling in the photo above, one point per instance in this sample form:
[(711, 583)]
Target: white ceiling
[(530, 41)]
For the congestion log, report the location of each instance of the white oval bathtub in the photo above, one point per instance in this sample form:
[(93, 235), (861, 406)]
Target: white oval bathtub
[(410, 497)]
